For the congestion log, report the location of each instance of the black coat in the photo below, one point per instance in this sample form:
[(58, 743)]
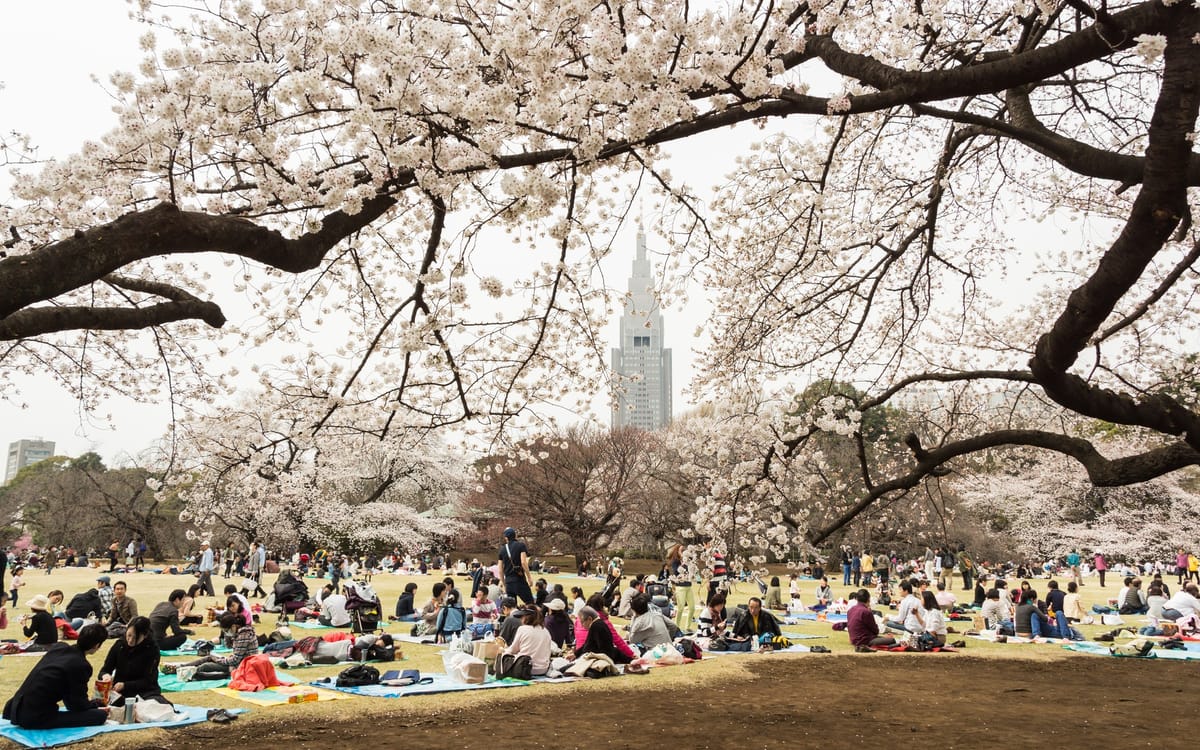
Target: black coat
[(136, 666), (62, 674), (81, 605), (600, 641), (43, 628)]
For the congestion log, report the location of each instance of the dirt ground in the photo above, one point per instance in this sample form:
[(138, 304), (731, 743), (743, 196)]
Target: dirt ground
[(926, 701)]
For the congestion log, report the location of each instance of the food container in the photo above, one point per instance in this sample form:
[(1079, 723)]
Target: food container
[(103, 690)]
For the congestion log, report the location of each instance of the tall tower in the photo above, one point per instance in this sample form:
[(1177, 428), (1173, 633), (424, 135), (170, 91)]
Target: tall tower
[(642, 367)]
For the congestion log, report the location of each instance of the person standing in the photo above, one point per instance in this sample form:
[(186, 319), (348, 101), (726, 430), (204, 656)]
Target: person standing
[(1101, 566), (685, 597), (967, 567), (1073, 561), (255, 560), (51, 560), (514, 567), (845, 560), (113, 549), (3, 566), (720, 574), (206, 569), (140, 561), (227, 558)]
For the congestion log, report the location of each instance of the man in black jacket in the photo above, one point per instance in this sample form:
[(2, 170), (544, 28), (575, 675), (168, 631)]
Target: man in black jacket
[(84, 604), (62, 674), (757, 622), (165, 616)]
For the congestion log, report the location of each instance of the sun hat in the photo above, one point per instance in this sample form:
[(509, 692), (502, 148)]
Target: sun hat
[(558, 605), (40, 602)]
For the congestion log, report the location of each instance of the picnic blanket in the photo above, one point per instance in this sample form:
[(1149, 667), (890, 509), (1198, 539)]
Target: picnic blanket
[(54, 737), (1101, 649), (277, 696), (802, 636), (313, 625), (796, 619), (442, 683), (183, 650), (170, 683)]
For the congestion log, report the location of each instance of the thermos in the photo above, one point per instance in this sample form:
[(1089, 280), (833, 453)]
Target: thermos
[(129, 711)]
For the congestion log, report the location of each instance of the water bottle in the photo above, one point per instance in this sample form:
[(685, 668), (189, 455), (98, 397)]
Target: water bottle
[(129, 711)]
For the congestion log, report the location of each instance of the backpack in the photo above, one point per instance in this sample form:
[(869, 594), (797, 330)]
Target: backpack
[(516, 667), (358, 675)]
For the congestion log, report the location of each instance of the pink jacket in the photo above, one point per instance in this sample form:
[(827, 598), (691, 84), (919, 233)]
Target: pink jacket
[(618, 641)]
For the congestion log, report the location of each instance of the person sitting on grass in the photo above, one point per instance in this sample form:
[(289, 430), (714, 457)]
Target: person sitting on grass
[(824, 596), (165, 616), (997, 615), (596, 602), (212, 667), (757, 623), (862, 627), (532, 640), (62, 674), (933, 619), (598, 638), (406, 607), (1029, 622), (40, 625), (648, 628), (133, 661), (905, 621)]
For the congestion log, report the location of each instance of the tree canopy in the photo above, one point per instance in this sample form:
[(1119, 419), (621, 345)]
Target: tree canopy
[(347, 161)]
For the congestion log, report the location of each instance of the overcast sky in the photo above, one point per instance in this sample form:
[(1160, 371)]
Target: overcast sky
[(49, 55)]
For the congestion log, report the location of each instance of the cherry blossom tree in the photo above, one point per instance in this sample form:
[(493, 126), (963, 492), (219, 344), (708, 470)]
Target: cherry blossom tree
[(1044, 505), (349, 162), (574, 490), (259, 473)]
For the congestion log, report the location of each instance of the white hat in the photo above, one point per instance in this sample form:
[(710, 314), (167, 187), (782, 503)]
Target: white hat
[(41, 602), (557, 605)]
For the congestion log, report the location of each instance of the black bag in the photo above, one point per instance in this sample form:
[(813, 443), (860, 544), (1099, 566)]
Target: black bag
[(516, 667), (687, 647), (381, 652), (358, 675)]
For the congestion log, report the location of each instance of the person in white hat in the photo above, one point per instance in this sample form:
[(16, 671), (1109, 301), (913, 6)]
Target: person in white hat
[(40, 625)]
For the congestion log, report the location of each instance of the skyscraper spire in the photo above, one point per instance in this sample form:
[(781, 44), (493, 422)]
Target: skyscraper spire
[(641, 365)]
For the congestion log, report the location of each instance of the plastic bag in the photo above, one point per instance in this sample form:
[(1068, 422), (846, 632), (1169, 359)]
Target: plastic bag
[(664, 654)]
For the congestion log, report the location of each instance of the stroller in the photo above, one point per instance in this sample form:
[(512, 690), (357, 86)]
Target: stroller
[(660, 598), (363, 605), (612, 591), (289, 594)]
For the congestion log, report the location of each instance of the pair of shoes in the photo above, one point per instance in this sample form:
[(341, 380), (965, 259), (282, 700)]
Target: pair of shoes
[(818, 650), (863, 650), (958, 644), (169, 668), (220, 716)]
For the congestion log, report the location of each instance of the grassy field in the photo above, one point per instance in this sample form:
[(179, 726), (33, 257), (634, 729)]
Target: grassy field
[(149, 589)]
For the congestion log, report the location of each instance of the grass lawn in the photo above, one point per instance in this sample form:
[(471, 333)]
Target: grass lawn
[(148, 589)]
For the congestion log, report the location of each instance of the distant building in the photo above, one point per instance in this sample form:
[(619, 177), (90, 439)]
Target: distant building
[(25, 452), (642, 367)]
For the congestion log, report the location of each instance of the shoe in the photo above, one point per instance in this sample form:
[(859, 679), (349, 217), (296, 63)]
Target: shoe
[(958, 644), (863, 650), (220, 716), (169, 668)]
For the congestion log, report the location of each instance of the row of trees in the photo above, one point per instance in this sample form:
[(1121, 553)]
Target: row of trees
[(82, 503)]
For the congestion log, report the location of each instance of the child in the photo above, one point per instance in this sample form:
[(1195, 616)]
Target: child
[(16, 584)]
